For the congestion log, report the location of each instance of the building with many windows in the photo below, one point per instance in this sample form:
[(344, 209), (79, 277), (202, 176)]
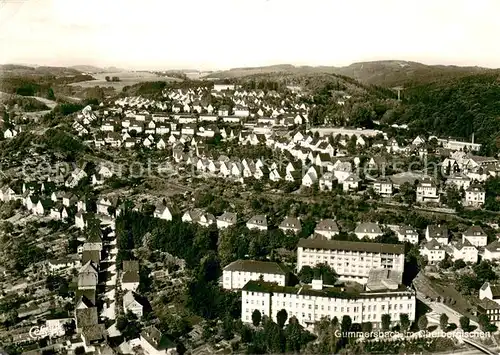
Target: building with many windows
[(309, 303), (352, 261), (239, 272)]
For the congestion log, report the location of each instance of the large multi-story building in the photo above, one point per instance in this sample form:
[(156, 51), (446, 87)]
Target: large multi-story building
[(238, 273), (309, 303), (352, 261)]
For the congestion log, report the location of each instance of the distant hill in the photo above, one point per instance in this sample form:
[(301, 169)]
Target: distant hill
[(16, 70), (391, 73), (93, 69), (387, 73)]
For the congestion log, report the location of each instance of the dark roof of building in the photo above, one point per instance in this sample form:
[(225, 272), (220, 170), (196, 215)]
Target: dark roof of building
[(130, 276), (437, 231), (91, 255), (352, 246), (87, 297), (327, 225), (493, 246), (265, 267), (130, 265), (368, 227), (86, 317), (93, 333), (331, 292), (259, 220), (474, 231)]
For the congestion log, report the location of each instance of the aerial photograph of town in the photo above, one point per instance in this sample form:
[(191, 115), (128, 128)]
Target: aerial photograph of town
[(249, 177)]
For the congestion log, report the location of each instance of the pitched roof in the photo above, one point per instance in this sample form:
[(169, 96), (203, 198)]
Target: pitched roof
[(91, 255), (156, 339), (130, 277), (437, 231), (130, 266), (228, 217), (328, 225), (87, 297), (368, 227), (433, 244), (93, 332), (474, 231), (86, 317), (493, 246), (290, 222), (352, 246), (260, 220), (264, 267)]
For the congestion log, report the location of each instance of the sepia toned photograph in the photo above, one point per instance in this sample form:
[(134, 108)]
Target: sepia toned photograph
[(249, 177)]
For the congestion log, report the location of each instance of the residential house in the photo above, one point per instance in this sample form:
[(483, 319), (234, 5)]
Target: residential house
[(463, 250), (198, 216), (475, 196), (383, 187), (327, 228), (107, 205), (130, 275), (476, 236), (327, 181), (290, 224), (132, 302), (88, 276), (257, 222), (310, 177), (434, 251), (407, 234), (75, 177), (163, 212), (154, 342), (492, 251), (227, 219), (368, 229), (460, 181), (490, 291), (69, 199), (427, 191), (438, 232), (351, 183)]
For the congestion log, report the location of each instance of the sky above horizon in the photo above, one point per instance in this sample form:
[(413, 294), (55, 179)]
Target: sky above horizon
[(222, 34)]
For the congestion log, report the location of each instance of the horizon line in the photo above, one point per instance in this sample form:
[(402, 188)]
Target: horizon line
[(198, 69)]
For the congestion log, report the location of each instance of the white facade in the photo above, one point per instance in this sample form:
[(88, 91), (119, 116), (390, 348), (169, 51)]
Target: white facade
[(434, 252), (328, 228), (370, 230), (427, 192), (475, 196), (310, 304), (352, 261), (383, 188), (238, 273), (464, 251), (476, 236), (492, 251), (407, 234)]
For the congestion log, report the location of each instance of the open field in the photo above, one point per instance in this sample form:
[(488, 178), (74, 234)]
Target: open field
[(127, 78)]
